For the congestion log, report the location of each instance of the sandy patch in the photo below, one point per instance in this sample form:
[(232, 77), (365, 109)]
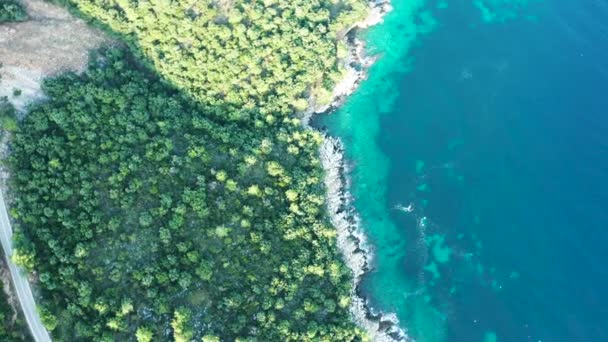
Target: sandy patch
[(50, 42)]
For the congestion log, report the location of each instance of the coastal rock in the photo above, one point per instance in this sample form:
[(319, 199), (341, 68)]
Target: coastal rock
[(353, 244), (356, 63), (351, 240)]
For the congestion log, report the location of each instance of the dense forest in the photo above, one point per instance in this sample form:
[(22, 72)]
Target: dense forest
[(141, 215), (11, 11), (170, 192), (252, 61)]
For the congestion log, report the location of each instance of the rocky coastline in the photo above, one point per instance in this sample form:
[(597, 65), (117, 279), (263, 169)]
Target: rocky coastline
[(355, 64), (351, 239), (352, 242)]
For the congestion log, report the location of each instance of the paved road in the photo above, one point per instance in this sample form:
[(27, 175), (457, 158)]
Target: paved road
[(22, 287)]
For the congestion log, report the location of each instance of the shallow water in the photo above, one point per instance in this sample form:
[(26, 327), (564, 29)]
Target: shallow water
[(490, 118)]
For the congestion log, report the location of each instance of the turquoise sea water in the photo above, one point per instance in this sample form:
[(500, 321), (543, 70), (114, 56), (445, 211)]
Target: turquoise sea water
[(490, 118)]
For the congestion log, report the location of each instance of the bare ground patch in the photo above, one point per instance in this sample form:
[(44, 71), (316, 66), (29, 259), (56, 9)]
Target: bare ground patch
[(50, 42)]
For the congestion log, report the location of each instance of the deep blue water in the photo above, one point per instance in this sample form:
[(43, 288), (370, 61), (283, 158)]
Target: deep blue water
[(508, 124), (518, 110)]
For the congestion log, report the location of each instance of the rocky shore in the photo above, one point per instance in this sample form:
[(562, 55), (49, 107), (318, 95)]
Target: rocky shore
[(351, 240), (355, 64)]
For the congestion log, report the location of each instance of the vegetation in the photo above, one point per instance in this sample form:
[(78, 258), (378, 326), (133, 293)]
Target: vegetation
[(245, 60), (11, 11), (8, 115), (12, 325), (172, 193), (143, 217)]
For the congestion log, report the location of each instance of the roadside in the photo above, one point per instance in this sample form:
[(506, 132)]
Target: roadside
[(12, 322), (20, 282), (21, 287), (50, 42)]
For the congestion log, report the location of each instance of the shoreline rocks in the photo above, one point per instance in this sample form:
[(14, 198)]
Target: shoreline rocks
[(356, 63), (352, 242), (351, 239)]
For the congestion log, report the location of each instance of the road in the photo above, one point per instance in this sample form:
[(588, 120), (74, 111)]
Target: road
[(22, 286)]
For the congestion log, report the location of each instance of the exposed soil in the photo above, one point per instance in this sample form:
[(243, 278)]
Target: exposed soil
[(50, 42)]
